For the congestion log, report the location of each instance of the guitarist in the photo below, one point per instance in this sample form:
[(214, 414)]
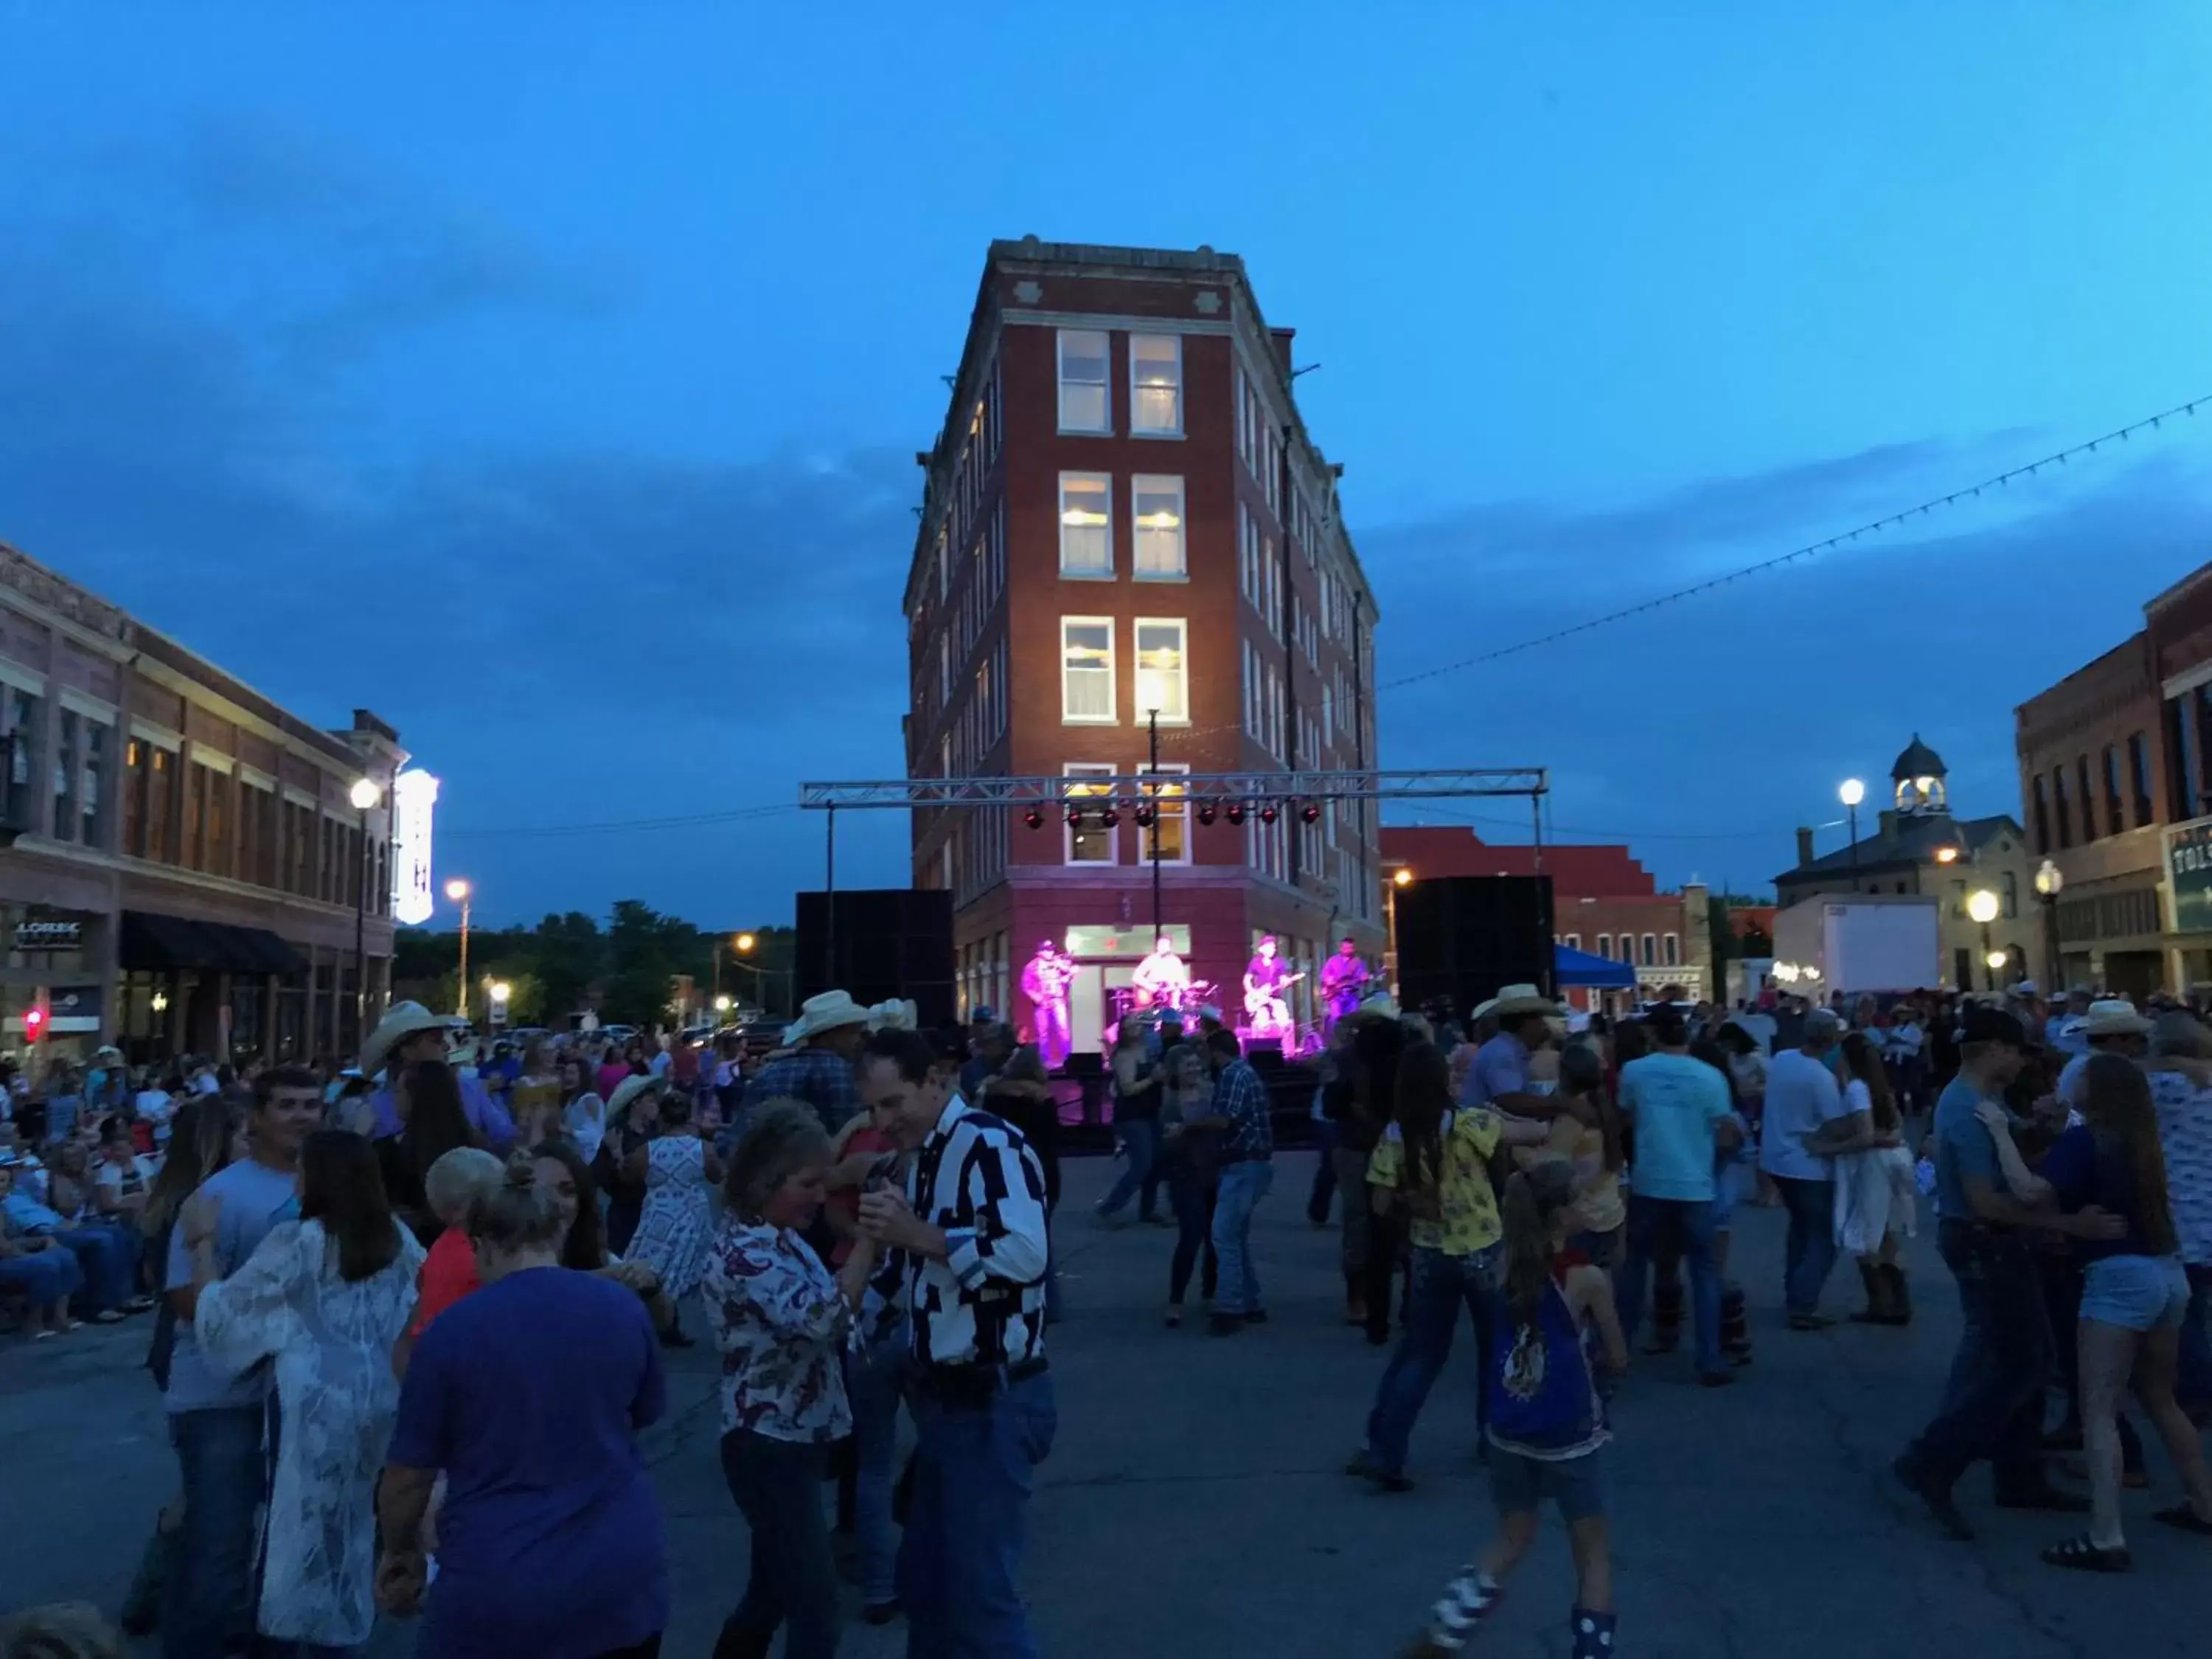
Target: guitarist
[(1264, 979)]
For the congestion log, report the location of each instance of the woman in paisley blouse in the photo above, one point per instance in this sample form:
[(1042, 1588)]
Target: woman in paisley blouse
[(781, 1320)]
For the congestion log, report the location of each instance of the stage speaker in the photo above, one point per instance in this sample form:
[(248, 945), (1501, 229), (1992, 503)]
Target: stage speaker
[(880, 944), (1460, 937)]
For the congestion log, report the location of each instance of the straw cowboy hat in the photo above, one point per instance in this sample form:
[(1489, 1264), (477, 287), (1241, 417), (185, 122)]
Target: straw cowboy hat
[(628, 1091), (825, 1012), (401, 1021), (2114, 1017), (1513, 1000), (896, 1015)]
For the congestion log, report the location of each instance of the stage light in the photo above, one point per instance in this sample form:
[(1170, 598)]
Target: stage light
[(1075, 818), (1207, 810), (1310, 812), (1268, 813), (1144, 816), (1034, 818), (1108, 817), (1237, 812)]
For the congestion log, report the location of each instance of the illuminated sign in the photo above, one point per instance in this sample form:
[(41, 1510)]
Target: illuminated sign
[(414, 794)]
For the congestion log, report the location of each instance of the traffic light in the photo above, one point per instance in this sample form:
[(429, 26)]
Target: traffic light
[(35, 1023)]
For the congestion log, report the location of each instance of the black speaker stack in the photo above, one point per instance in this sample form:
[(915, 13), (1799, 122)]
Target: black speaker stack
[(1462, 937), (880, 944)]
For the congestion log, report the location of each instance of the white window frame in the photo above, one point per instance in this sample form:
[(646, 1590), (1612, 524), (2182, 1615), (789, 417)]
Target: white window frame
[(1103, 483), (1137, 390), (1079, 769), (1574, 941), (1104, 383), (1181, 812), (1113, 675), (1650, 950), (1670, 950), (1155, 483), (1605, 946), (1181, 625)]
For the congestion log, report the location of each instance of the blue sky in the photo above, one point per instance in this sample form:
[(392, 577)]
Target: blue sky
[(548, 379)]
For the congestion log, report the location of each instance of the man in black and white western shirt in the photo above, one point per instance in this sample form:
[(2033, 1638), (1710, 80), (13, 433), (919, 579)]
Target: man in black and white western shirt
[(971, 1224)]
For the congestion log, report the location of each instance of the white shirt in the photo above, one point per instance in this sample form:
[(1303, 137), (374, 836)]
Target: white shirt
[(154, 1105), (1801, 1094), (585, 1118)]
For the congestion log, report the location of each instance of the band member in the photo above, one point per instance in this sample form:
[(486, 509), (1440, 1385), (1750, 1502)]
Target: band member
[(1044, 982), (1344, 979), (1265, 979), (1161, 981)]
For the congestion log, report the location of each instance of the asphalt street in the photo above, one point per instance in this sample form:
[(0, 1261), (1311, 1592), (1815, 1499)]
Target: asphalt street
[(1194, 1503)]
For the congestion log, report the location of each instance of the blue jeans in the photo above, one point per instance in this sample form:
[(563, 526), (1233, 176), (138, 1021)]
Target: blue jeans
[(1810, 1253), (959, 1565), (46, 1276), (207, 1602), (1692, 1222), (1326, 1136), (1993, 1403), (109, 1256), (1441, 1285), (792, 1582), (1243, 1186), (873, 1380), (1192, 1192), (1141, 1136)]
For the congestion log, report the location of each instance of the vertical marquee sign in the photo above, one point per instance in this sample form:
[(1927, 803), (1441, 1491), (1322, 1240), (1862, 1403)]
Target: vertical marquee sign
[(414, 794)]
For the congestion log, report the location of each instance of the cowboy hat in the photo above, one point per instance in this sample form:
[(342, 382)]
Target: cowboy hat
[(2113, 1016), (1516, 1000), (401, 1021), (628, 1090), (896, 1015), (825, 1012), (1482, 1010)]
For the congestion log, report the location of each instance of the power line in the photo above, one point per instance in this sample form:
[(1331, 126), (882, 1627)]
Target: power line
[(2056, 457)]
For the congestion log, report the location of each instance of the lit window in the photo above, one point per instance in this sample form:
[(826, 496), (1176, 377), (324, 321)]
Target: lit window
[(1087, 672), (1085, 404), (1172, 807), (1163, 671), (1156, 508), (1088, 842), (1086, 524), (1155, 385)]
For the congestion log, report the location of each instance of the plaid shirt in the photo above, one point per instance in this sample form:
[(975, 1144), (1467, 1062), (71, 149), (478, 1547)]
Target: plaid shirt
[(820, 1077), (1241, 1096)]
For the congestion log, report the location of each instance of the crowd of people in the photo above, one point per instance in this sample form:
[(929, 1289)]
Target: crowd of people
[(413, 1311)]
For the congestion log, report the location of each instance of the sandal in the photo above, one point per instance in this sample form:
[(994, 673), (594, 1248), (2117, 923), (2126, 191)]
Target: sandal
[(2086, 1557), (2183, 1518)]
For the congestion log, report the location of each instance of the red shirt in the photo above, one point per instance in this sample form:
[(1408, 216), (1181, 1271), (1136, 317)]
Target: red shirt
[(848, 1202), (449, 1272)]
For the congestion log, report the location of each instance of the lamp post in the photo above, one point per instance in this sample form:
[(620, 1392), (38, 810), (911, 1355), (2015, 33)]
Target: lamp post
[(1852, 794), (2049, 879), (1996, 961), (1982, 906), (1150, 691), (500, 990), (460, 892), (1401, 877), (364, 795)]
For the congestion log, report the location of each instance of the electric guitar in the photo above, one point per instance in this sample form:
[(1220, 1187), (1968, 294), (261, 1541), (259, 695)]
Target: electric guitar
[(1260, 1000)]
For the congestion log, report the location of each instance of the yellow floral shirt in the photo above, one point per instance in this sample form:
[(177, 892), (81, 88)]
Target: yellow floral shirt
[(1468, 1207)]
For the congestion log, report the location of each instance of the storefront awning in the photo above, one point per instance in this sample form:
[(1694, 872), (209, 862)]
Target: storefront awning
[(151, 942)]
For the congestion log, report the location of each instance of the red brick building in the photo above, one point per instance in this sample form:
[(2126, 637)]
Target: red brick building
[(1124, 515)]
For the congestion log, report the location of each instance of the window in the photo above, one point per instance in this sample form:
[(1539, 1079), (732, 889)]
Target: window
[(66, 726), (1574, 941), (1155, 508), (2011, 895), (1651, 953), (1171, 815), (2088, 800), (1087, 671), (1085, 404), (1086, 525), (1163, 670), (2115, 819), (1671, 950), (2139, 775), (91, 776), (2042, 815), (1155, 385), (2058, 813), (19, 728), (1605, 944), (1089, 842)]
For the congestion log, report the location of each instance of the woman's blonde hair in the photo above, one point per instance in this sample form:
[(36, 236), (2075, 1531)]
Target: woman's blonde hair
[(784, 1137), (514, 1214)]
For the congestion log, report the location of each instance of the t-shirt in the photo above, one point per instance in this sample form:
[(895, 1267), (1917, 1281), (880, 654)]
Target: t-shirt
[(2081, 1175), (127, 1180), (1963, 1148), (529, 1394), (1500, 1067), (255, 1197), (1801, 1094), (2184, 1132), (1672, 1102), (449, 1272)]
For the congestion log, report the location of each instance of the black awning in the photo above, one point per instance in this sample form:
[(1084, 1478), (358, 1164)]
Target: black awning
[(151, 941)]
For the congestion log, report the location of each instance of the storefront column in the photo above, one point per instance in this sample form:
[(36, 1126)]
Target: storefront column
[(269, 988)]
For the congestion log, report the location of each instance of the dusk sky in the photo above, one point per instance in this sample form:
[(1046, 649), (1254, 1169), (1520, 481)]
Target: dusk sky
[(548, 379)]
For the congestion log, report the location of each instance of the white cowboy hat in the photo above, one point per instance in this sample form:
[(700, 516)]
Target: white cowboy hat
[(1482, 1010), (896, 1015), (1513, 999), (825, 1012), (628, 1090), (2113, 1016), (402, 1020)]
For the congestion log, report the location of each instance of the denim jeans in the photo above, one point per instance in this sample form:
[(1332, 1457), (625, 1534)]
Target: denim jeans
[(1193, 1194), (1810, 1253), (959, 1566), (1993, 1403), (793, 1578), (1650, 1220), (109, 1256), (1141, 1137), (873, 1377), (1442, 1285), (1243, 1186), (1324, 1180), (207, 1602), (46, 1276)]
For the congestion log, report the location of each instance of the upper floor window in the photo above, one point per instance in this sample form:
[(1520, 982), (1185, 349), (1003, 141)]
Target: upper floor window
[(1671, 950), (1651, 957), (1155, 385), (1086, 403), (1156, 506), (1605, 944), (1086, 524), (2139, 775), (1087, 671), (1163, 670), (1089, 841)]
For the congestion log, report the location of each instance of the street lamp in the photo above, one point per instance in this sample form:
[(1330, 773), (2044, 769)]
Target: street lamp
[(1852, 793), (721, 1004), (1151, 691), (1401, 877), (364, 795), (500, 990), (460, 892), (1982, 905), (2049, 879), (1996, 961)]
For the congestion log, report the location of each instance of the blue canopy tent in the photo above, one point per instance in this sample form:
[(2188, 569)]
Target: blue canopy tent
[(1571, 967)]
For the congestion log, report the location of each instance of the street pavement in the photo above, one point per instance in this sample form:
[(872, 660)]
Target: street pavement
[(1194, 1504)]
